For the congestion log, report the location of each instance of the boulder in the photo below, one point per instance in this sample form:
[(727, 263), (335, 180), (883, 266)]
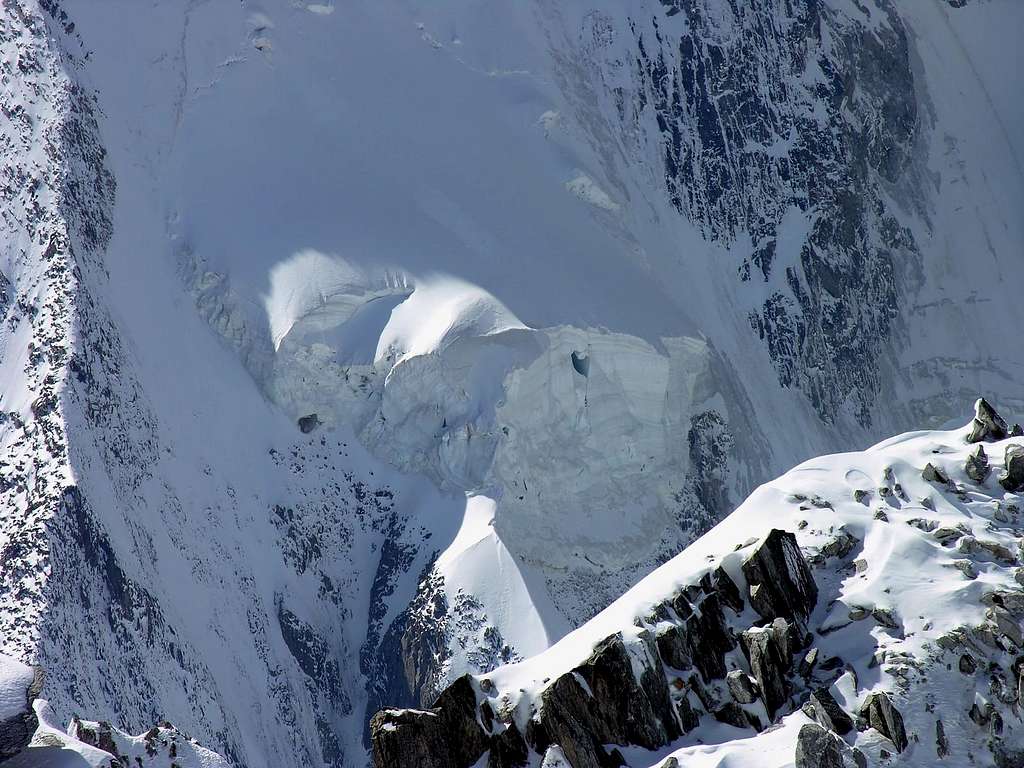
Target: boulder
[(780, 580), (1012, 478), (829, 714), (308, 423), (977, 467), (987, 426), (817, 748), (879, 713), (933, 474), (768, 667), (741, 686)]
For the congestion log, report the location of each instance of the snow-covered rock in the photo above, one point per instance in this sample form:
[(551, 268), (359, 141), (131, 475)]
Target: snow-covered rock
[(840, 607), (100, 745)]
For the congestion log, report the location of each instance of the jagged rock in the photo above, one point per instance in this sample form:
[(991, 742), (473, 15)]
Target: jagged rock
[(947, 535), (308, 423), (941, 742), (967, 664), (99, 735), (741, 686), (1016, 431), (733, 714), (817, 748), (727, 590), (828, 712), (618, 709), (933, 474), (446, 736), (768, 666), (977, 467), (987, 425), (1012, 478), (808, 662), (879, 713), (673, 648), (708, 638), (508, 749), (781, 584), (17, 729), (1007, 625), (841, 545)]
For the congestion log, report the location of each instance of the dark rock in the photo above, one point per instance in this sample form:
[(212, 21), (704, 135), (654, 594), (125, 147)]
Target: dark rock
[(879, 713), (817, 748), (508, 749), (673, 648), (768, 667), (618, 709), (1012, 478), (829, 714), (687, 715), (933, 474), (709, 638), (446, 736), (727, 590), (741, 686), (977, 467), (733, 714), (808, 662), (941, 742), (987, 425), (308, 423), (968, 665), (781, 584), (1016, 431), (99, 735)]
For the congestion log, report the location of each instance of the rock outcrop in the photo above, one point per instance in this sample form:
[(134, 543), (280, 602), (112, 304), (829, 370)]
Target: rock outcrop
[(878, 712), (1012, 478), (987, 426), (646, 686), (817, 747), (779, 579)]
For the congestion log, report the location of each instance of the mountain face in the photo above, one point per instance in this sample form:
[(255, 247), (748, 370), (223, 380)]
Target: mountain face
[(861, 609), (349, 348)]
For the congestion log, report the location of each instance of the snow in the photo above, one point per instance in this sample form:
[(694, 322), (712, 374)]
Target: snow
[(15, 679)]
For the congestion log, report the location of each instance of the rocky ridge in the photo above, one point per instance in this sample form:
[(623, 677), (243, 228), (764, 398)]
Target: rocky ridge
[(808, 630)]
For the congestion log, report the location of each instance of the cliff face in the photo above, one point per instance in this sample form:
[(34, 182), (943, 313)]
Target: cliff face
[(887, 620), (302, 341)]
